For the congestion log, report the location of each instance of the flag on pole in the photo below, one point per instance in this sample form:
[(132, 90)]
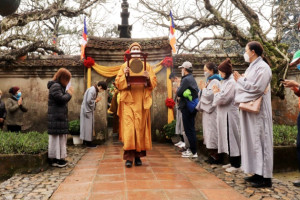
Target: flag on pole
[(172, 33), (83, 40)]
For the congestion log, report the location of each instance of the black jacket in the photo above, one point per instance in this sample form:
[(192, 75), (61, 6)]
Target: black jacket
[(57, 109), (2, 110), (187, 82)]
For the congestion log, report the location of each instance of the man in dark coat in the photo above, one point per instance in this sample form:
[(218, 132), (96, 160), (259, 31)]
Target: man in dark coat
[(188, 118)]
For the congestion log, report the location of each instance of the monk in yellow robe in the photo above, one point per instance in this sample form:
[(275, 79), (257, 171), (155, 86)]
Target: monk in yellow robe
[(134, 113)]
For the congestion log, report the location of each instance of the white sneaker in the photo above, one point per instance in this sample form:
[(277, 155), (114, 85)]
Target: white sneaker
[(186, 152), (182, 145), (178, 143), (226, 166), (232, 169), (190, 155)]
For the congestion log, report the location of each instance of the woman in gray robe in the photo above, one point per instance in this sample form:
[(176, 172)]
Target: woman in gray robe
[(209, 112), (256, 129), (87, 112), (229, 140)]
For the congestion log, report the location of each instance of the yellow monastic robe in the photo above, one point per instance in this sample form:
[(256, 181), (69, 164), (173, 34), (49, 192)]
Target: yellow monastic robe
[(134, 112)]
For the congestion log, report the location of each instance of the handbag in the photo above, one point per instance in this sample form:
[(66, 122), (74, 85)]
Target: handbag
[(191, 105), (254, 105)]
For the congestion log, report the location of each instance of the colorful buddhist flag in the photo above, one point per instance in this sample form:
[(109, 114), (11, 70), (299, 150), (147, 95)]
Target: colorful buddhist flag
[(172, 33), (83, 40)]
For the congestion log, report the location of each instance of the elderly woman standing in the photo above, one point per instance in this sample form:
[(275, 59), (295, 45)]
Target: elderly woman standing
[(256, 129), (15, 109), (229, 140), (58, 117), (209, 114)]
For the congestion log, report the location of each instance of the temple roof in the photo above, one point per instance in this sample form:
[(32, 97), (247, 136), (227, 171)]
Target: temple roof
[(123, 43)]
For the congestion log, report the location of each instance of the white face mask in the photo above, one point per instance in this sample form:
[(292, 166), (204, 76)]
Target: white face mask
[(182, 72), (135, 51), (206, 74), (246, 57)]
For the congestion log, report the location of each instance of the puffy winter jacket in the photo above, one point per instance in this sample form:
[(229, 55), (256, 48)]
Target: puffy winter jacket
[(57, 109)]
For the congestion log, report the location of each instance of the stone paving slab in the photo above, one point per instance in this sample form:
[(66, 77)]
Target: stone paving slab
[(42, 185), (101, 174)]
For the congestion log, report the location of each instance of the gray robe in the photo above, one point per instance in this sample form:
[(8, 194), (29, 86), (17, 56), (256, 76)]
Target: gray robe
[(227, 111), (87, 114), (256, 129), (209, 116)]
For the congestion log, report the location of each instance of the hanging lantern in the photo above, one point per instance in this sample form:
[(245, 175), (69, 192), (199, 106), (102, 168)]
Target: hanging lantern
[(8, 7)]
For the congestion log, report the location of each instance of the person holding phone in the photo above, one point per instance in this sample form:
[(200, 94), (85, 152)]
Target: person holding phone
[(295, 86)]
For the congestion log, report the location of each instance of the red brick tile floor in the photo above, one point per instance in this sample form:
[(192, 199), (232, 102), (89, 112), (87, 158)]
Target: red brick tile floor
[(101, 174)]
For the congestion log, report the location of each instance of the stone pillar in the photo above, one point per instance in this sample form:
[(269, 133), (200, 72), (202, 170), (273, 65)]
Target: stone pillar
[(125, 28)]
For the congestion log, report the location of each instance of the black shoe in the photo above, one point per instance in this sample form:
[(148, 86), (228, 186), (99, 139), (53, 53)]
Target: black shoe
[(212, 161), (128, 163), (253, 179), (53, 162), (265, 182), (90, 144), (296, 183), (137, 161), (60, 163)]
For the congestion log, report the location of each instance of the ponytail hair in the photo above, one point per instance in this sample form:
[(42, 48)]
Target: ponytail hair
[(212, 66), (258, 49)]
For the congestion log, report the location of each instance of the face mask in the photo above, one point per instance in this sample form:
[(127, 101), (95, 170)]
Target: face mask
[(19, 95), (206, 74), (182, 72), (135, 51), (246, 57)]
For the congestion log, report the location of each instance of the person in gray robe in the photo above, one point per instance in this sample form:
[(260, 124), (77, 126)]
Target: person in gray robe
[(209, 112), (229, 140), (256, 129), (87, 112)]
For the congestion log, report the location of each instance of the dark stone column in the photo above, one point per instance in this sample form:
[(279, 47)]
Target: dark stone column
[(125, 28)]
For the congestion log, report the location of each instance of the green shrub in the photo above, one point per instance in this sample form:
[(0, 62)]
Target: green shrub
[(284, 135), (74, 127), (23, 143), (169, 129)]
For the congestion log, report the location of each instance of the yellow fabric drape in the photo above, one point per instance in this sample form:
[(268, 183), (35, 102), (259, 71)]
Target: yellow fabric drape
[(169, 88), (89, 79), (113, 71)]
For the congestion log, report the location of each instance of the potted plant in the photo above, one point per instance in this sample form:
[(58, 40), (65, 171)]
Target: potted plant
[(74, 129)]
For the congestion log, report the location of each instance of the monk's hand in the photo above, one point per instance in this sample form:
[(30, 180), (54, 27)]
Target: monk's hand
[(98, 99), (146, 74), (215, 89), (201, 84), (236, 75), (126, 70), (290, 83)]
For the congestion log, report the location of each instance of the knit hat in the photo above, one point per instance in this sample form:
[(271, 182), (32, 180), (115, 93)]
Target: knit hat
[(226, 67), (295, 57), (14, 90), (135, 44)]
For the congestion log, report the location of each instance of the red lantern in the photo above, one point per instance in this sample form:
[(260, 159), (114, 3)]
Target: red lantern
[(89, 62), (167, 62), (170, 103)]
